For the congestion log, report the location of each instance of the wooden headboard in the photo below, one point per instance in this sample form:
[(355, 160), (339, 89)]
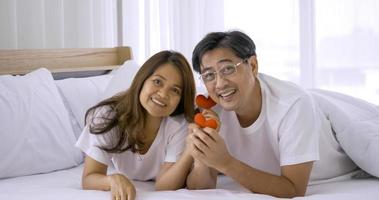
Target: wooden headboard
[(62, 60)]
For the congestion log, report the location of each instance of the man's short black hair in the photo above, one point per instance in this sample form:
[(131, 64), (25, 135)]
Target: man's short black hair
[(240, 43)]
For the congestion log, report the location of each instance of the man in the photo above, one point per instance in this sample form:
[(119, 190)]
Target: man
[(272, 133)]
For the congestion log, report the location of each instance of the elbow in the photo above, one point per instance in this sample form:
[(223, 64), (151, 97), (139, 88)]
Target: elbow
[(85, 184), (293, 195), (288, 194), (193, 187), (162, 187), (299, 194), (296, 192), (281, 190), (293, 190), (165, 188), (159, 188), (84, 187), (198, 186)]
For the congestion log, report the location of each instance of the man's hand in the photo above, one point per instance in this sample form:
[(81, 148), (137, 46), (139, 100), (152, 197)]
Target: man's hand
[(209, 148)]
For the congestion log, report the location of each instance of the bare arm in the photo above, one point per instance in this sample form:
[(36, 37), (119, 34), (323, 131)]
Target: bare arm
[(212, 151), (201, 177), (95, 178), (94, 175), (172, 176), (293, 181)]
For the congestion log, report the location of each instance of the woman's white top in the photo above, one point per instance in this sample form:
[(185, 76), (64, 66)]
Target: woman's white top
[(166, 147)]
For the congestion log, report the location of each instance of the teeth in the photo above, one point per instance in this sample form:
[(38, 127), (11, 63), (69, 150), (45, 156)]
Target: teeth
[(227, 93), (158, 102)]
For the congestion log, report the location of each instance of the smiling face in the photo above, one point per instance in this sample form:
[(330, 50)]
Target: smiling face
[(161, 92), (234, 91)]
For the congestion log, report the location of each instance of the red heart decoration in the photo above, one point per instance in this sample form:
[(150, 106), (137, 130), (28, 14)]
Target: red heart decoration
[(202, 122), (204, 102)]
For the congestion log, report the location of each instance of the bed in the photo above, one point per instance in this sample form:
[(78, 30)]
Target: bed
[(42, 112)]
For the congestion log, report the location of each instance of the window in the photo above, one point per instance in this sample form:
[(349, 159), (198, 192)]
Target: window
[(347, 47), (274, 27), (342, 37)]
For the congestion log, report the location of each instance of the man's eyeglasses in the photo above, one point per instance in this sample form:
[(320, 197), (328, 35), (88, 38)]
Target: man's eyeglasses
[(225, 71)]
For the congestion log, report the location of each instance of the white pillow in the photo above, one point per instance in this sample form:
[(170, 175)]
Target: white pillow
[(36, 134), (356, 125), (122, 78), (79, 94)]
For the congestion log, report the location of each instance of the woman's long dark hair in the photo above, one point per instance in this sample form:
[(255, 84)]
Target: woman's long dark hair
[(125, 113)]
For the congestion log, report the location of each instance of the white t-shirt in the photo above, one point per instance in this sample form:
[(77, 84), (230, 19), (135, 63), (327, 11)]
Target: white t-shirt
[(166, 147), (287, 132)]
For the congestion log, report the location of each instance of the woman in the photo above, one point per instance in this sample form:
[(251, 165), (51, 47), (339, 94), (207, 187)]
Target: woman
[(142, 130)]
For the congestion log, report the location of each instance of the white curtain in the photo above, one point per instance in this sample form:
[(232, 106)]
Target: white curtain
[(57, 23), (330, 44), (347, 47), (153, 25)]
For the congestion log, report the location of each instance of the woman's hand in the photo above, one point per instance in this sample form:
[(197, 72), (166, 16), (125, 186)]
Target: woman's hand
[(201, 176), (121, 187), (189, 142)]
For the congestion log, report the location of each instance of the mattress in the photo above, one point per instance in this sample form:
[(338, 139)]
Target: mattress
[(66, 184)]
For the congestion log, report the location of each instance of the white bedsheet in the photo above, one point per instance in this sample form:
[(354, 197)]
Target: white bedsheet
[(65, 184)]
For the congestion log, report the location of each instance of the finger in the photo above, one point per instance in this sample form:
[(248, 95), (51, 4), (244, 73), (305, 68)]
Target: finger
[(200, 145), (196, 129), (192, 126), (209, 114), (131, 193), (200, 137), (131, 196), (124, 196), (211, 133), (198, 155), (189, 141), (205, 137), (115, 196), (192, 140)]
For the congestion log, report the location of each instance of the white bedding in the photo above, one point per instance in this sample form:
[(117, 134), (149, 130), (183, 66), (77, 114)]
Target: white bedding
[(65, 184)]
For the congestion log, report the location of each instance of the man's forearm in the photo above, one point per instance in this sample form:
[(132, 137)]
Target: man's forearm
[(258, 181)]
